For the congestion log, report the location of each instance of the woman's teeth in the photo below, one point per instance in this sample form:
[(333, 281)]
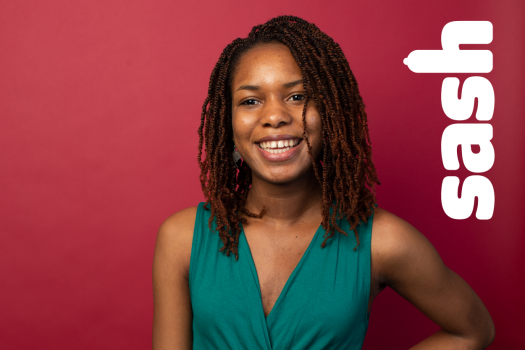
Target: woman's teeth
[(280, 146)]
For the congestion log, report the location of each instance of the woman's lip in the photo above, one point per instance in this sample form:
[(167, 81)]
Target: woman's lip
[(278, 138), (279, 157)]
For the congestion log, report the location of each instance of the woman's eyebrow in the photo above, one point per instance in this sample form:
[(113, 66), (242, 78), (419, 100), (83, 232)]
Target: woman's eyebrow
[(248, 87), (255, 87), (293, 83)]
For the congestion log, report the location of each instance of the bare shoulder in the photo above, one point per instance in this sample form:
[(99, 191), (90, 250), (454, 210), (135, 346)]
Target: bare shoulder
[(396, 244), (175, 237), (390, 232), (172, 316)]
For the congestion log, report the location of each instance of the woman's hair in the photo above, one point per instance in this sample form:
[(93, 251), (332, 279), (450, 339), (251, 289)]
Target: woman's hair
[(345, 170)]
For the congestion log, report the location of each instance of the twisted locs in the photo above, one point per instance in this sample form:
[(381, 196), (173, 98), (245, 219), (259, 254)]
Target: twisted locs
[(345, 172)]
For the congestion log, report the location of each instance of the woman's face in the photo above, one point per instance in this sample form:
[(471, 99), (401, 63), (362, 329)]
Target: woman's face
[(267, 105)]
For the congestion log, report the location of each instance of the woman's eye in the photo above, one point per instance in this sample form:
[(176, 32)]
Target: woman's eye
[(298, 97), (249, 102)]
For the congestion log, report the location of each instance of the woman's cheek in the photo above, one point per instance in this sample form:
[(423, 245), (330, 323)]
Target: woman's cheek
[(242, 132), (314, 125), (314, 129)]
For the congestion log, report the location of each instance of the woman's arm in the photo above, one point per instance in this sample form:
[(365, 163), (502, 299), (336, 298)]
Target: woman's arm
[(172, 316), (408, 263)]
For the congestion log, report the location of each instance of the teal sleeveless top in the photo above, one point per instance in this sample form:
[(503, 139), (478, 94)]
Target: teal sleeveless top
[(323, 305)]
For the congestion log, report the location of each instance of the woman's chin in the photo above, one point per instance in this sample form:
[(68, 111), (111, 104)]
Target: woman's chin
[(283, 176)]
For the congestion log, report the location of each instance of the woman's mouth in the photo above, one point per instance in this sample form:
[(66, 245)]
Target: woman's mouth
[(277, 147)]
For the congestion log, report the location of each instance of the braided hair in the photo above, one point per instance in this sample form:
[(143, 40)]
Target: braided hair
[(344, 170)]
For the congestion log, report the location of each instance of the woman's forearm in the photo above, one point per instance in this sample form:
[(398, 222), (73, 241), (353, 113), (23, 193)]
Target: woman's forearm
[(445, 340)]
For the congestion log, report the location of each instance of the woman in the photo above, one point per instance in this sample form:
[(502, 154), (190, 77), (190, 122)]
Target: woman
[(302, 249)]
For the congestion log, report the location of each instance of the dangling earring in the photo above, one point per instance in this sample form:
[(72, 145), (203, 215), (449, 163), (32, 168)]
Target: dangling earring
[(236, 157)]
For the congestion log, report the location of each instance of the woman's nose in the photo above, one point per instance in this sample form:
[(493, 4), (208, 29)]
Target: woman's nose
[(275, 114)]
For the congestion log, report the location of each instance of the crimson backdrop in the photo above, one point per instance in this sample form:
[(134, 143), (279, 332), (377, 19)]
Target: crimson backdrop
[(100, 103)]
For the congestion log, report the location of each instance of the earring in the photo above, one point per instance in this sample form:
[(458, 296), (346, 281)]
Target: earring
[(236, 157)]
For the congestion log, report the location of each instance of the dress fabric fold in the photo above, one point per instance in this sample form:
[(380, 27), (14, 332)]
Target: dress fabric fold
[(323, 305)]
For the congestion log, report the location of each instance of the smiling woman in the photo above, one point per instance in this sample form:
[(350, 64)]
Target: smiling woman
[(269, 112), (311, 250)]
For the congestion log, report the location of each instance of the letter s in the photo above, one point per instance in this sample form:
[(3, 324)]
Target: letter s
[(461, 208), (462, 109)]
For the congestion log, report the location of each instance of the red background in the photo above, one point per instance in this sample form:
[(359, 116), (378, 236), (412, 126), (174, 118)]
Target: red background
[(99, 107)]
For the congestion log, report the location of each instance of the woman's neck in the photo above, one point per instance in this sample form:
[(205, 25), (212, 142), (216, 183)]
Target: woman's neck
[(286, 204)]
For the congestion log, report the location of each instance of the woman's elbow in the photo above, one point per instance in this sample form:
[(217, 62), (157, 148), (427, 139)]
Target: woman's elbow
[(490, 334), (485, 335)]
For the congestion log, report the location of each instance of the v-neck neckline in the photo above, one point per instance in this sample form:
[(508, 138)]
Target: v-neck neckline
[(286, 285)]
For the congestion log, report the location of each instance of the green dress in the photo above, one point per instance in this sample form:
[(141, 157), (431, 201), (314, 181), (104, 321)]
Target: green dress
[(323, 305)]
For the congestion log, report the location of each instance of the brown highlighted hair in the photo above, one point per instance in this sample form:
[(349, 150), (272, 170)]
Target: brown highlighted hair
[(344, 170)]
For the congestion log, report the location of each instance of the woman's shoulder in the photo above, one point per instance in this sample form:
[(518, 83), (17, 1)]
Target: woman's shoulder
[(391, 235), (180, 219), (396, 244), (388, 227), (175, 236)]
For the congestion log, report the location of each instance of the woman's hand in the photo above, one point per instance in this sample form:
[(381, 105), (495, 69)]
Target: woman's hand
[(403, 259)]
